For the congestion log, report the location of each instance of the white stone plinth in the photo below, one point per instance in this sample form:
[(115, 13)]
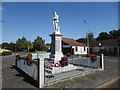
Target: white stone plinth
[(56, 70), (56, 47), (63, 69)]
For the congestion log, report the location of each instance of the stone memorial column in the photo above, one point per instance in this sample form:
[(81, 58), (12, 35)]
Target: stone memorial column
[(56, 37)]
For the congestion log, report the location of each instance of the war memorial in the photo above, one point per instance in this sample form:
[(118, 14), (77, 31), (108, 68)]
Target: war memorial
[(47, 68)]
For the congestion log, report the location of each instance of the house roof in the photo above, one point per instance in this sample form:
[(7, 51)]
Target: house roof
[(72, 42), (110, 42)]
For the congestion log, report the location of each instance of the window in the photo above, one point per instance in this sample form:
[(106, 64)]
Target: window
[(76, 49), (84, 48)]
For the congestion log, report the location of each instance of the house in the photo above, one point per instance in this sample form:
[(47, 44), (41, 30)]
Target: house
[(73, 47), (108, 47)]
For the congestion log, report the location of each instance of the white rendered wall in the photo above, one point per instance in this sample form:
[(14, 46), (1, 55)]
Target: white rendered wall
[(80, 50)]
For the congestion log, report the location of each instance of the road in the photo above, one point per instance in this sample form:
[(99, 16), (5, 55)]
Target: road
[(12, 79), (111, 62), (114, 84)]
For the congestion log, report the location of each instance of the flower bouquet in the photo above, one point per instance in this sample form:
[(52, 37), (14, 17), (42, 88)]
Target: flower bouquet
[(64, 61), (93, 58), (29, 57), (18, 57)]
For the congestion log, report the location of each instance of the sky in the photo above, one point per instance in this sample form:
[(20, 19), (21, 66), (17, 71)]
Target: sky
[(32, 19)]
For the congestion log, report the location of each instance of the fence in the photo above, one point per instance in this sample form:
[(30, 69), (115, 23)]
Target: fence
[(47, 70), (56, 71), (86, 62)]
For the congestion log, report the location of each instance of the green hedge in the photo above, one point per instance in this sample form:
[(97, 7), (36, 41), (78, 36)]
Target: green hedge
[(6, 53)]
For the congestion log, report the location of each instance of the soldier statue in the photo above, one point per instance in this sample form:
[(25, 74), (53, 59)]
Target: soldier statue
[(55, 23)]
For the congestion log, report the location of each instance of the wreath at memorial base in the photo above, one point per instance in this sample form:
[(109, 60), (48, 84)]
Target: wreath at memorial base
[(64, 61), (57, 65)]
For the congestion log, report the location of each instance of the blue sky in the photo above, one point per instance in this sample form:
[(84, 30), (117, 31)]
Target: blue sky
[(32, 19)]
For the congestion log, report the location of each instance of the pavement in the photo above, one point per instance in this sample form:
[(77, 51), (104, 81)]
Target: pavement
[(11, 78), (99, 79)]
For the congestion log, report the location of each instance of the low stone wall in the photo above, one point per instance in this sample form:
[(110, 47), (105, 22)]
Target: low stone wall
[(86, 62), (30, 69), (40, 55)]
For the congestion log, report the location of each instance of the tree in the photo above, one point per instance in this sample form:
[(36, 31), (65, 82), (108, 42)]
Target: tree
[(39, 44), (115, 34), (5, 45), (104, 36), (91, 36), (12, 46), (81, 40), (84, 40), (48, 47), (21, 44), (29, 46)]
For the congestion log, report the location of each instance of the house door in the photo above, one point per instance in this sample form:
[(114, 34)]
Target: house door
[(72, 51)]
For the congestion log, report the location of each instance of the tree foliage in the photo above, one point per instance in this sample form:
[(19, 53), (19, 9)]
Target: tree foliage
[(104, 36), (82, 40), (5, 45), (90, 36), (29, 46), (12, 46), (21, 44), (115, 34), (39, 44)]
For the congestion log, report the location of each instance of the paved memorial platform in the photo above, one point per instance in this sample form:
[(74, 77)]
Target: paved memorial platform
[(67, 74)]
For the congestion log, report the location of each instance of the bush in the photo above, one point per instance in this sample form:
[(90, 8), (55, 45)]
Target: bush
[(6, 53)]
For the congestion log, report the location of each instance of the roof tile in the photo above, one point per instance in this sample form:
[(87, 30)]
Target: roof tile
[(73, 42), (110, 42)]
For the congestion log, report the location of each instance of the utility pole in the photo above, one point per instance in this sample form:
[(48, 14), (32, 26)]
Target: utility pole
[(28, 47), (87, 37), (87, 41)]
